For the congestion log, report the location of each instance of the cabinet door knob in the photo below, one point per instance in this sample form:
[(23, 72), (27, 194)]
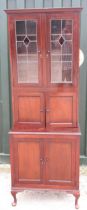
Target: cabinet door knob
[(42, 161)]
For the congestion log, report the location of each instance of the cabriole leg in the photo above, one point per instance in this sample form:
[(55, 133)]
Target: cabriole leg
[(14, 197), (77, 195)]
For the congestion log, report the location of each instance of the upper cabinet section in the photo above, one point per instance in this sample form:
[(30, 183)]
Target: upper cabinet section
[(44, 47)]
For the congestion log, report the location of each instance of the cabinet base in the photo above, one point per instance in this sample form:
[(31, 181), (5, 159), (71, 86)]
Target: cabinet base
[(75, 193)]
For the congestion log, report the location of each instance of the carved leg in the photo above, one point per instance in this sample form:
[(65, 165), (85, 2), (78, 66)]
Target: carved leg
[(14, 196), (77, 195)]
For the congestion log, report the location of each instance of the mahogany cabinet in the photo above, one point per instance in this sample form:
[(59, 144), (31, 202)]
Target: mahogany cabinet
[(44, 64)]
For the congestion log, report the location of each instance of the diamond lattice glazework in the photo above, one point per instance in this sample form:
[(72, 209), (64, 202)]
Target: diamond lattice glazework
[(61, 51), (26, 41), (27, 53), (61, 40)]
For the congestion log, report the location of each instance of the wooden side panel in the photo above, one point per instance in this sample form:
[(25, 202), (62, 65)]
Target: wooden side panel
[(61, 110), (60, 166)]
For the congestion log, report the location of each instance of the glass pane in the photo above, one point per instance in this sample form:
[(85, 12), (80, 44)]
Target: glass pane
[(66, 67), (66, 26), (21, 48), (61, 51), (66, 57), (22, 58), (56, 73), (28, 72), (20, 38), (66, 76), (27, 51), (20, 27), (55, 47), (56, 57), (56, 27), (32, 38), (32, 48), (31, 27), (67, 37), (67, 47)]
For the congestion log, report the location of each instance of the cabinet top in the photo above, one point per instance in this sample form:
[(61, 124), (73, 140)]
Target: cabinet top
[(50, 10)]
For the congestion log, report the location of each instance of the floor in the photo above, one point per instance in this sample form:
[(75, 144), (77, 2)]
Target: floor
[(40, 199)]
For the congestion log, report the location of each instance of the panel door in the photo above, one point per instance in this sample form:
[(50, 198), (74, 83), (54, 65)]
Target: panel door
[(26, 155), (61, 110), (60, 162), (29, 111)]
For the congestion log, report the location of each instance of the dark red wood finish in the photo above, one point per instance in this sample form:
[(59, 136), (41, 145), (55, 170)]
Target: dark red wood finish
[(44, 140)]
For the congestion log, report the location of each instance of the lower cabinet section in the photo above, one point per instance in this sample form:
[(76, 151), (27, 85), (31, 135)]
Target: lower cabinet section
[(44, 160)]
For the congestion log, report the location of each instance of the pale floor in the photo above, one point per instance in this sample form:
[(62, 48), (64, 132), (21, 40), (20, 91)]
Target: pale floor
[(40, 200)]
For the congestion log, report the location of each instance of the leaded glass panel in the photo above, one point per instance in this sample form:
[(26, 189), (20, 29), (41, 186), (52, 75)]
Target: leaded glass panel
[(27, 51), (61, 51)]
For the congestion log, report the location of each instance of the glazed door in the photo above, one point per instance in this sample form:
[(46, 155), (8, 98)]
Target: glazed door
[(61, 39), (25, 46)]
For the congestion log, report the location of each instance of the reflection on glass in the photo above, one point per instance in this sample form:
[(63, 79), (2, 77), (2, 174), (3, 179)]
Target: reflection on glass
[(27, 52), (61, 51), (67, 47), (55, 26), (28, 72), (20, 27), (56, 74), (66, 26), (31, 27)]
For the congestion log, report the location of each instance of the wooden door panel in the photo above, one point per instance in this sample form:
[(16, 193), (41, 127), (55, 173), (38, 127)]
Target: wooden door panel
[(61, 110), (27, 165), (60, 165), (29, 110)]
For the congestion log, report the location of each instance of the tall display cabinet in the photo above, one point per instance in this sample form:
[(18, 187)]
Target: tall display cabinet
[(45, 134)]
